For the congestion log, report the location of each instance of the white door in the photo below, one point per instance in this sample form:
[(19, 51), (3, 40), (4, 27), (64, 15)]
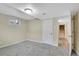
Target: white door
[(47, 31), (50, 34)]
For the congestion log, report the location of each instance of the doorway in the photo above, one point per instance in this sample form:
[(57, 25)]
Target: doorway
[(62, 40)]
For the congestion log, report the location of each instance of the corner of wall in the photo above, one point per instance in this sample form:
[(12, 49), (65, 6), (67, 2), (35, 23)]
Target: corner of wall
[(77, 53)]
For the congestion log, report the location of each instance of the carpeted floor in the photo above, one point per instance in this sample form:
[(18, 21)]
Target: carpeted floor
[(30, 48)]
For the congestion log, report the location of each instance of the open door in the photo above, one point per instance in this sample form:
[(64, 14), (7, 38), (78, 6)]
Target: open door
[(67, 32)]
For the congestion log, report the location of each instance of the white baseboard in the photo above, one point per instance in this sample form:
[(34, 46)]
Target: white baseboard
[(9, 44), (19, 41), (39, 42)]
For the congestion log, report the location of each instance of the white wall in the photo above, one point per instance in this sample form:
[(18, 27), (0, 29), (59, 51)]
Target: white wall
[(35, 30), (44, 31), (11, 34)]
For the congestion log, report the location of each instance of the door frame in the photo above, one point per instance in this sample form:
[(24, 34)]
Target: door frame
[(67, 31)]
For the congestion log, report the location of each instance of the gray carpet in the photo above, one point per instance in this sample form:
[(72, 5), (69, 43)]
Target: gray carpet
[(29, 48)]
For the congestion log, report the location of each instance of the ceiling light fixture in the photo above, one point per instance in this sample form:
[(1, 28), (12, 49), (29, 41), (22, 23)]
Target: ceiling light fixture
[(60, 21), (28, 10)]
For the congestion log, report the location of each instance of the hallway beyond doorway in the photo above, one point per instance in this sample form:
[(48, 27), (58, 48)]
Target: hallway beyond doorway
[(62, 42)]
